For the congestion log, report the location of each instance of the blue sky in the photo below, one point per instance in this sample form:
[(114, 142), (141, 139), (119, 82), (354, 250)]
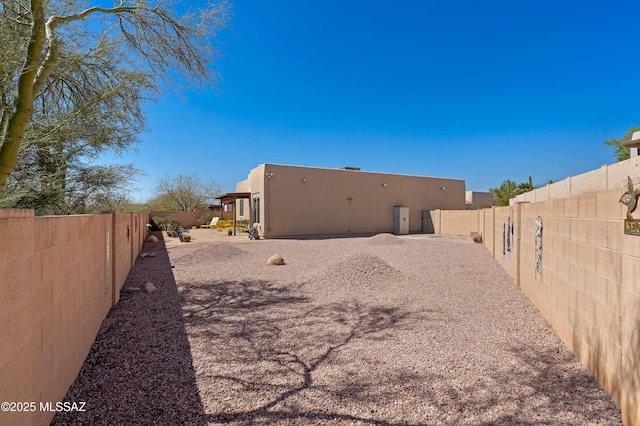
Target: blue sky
[(480, 91)]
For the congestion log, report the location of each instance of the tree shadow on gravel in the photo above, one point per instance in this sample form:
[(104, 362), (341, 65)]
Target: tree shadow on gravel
[(259, 349), (139, 369), (529, 386), (565, 385), (268, 354)]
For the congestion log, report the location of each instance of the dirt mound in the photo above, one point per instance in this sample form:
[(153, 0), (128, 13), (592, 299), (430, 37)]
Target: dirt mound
[(384, 239), (216, 252), (361, 270)]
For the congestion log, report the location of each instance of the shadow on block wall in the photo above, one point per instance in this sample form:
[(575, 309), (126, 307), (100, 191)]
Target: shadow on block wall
[(617, 374), (630, 400), (139, 369)]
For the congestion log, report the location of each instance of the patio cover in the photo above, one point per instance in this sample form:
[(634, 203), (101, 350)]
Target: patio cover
[(230, 198)]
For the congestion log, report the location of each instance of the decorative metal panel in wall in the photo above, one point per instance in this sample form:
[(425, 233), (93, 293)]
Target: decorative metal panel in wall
[(630, 199), (538, 244)]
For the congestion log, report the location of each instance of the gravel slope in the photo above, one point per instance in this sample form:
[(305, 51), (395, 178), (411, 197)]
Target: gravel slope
[(360, 331)]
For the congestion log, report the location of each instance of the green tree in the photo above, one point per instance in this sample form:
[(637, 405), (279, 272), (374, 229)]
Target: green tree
[(119, 201), (84, 188), (509, 189), (87, 107), (44, 39), (620, 151)]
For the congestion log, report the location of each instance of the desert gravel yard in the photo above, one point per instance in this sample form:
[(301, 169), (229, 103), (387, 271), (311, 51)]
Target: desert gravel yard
[(380, 330)]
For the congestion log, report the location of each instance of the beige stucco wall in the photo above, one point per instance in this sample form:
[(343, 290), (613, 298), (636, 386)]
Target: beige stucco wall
[(588, 287), (314, 201), (58, 275), (255, 184), (479, 200)]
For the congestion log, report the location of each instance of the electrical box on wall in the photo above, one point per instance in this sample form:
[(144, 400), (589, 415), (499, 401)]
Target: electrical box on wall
[(400, 220)]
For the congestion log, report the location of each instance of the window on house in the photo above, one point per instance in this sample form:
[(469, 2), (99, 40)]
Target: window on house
[(256, 210)]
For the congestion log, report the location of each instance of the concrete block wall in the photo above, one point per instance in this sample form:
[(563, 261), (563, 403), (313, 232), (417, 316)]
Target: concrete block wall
[(589, 183), (609, 177), (128, 232), (71, 298), (584, 291), (505, 244), (186, 219), (460, 222), (17, 343), (560, 189), (588, 286), (488, 231), (57, 280), (618, 173)]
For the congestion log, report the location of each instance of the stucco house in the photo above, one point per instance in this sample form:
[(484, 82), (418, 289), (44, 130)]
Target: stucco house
[(479, 200), (301, 201)]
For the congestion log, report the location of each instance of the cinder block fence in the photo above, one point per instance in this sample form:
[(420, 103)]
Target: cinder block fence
[(587, 279), (59, 276)]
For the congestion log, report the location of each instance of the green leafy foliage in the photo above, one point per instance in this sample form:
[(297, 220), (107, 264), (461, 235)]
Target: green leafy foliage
[(620, 152), (73, 78), (166, 223), (510, 189)]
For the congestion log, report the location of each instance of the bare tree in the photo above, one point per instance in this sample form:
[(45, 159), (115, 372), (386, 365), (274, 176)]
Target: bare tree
[(43, 36), (184, 192)]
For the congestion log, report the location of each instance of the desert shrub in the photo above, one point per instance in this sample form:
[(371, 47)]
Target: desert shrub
[(166, 222), (205, 218), (224, 224)]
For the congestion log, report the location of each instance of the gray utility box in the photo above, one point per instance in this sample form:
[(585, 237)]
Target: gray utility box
[(400, 220)]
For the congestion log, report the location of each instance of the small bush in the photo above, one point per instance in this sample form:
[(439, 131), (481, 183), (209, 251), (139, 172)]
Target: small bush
[(224, 224), (205, 218), (242, 225), (167, 223)]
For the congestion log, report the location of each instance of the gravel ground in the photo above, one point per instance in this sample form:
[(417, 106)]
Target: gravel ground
[(360, 331)]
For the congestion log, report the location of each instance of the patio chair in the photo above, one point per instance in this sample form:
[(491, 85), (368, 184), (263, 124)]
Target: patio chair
[(212, 224), (253, 232)]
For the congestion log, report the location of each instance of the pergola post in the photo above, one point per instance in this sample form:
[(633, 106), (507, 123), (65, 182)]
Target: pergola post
[(231, 198)]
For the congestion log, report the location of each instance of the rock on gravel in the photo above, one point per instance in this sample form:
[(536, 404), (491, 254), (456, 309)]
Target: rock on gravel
[(276, 259), (149, 287)]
